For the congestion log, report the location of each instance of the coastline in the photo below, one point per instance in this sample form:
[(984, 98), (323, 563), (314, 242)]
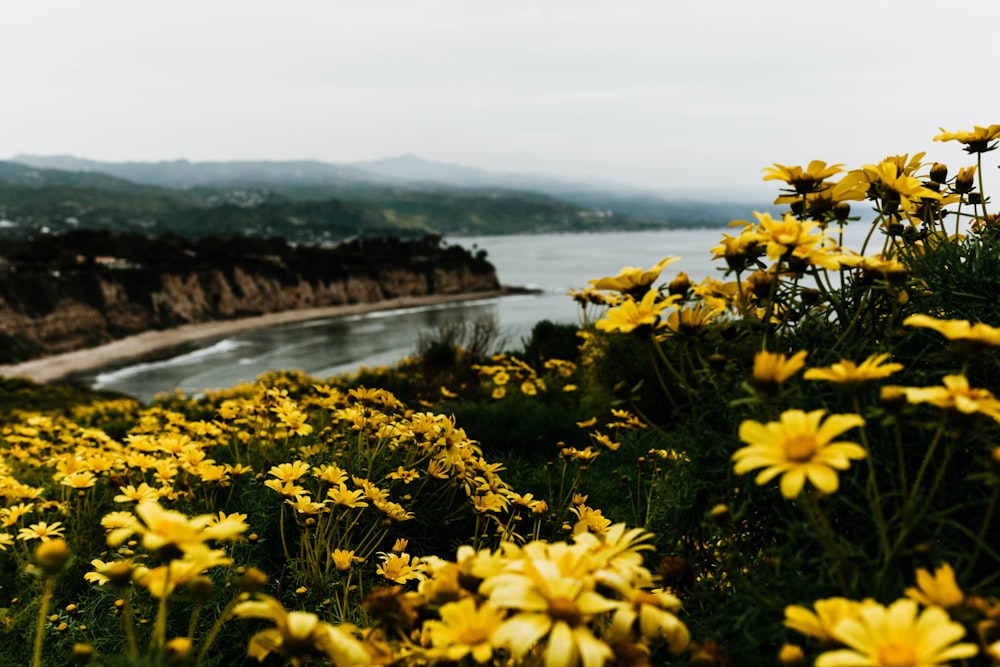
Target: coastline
[(60, 366)]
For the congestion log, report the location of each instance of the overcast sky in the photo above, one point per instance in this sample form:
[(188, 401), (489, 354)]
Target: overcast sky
[(666, 95)]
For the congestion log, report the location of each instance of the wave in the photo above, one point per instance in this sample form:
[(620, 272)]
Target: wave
[(223, 346)]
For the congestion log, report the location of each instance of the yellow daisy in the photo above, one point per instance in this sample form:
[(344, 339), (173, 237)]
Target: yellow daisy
[(772, 369), (896, 636), (631, 315), (797, 447), (956, 396), (465, 629), (973, 335), (936, 590), (979, 140), (849, 375)]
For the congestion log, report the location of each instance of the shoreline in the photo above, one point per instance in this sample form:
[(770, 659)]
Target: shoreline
[(60, 367)]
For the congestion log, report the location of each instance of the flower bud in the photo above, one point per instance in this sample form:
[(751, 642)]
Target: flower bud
[(841, 211), (965, 180), (82, 654), (679, 285), (253, 580), (200, 588), (51, 556), (939, 172), (791, 655), (178, 650), (892, 399), (720, 514)]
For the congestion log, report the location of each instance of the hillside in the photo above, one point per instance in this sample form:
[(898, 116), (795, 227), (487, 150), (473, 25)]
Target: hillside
[(404, 195), (68, 292)]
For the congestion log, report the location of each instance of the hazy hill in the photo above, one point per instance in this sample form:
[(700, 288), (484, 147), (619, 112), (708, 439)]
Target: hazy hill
[(185, 174), (311, 201), (379, 180)]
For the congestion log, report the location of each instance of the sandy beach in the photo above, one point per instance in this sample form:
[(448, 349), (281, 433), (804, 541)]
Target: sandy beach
[(57, 367)]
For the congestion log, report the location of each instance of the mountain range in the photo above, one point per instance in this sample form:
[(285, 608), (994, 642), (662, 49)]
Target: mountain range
[(315, 201)]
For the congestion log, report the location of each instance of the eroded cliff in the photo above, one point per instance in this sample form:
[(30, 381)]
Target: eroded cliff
[(96, 299)]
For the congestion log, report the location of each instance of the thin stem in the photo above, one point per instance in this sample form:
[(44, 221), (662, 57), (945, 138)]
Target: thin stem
[(983, 527), (43, 613), (982, 192), (824, 531), (160, 625), (876, 499)]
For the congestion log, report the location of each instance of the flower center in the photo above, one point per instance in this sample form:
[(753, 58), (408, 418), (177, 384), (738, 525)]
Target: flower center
[(897, 655), (471, 636), (800, 448), (564, 609)]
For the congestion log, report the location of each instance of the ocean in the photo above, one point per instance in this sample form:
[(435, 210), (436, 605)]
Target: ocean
[(553, 264)]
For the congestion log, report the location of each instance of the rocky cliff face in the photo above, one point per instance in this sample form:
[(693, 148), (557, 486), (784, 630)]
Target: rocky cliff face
[(57, 311)]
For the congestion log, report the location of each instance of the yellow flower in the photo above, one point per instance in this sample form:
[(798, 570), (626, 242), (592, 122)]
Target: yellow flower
[(331, 474), (11, 515), (173, 533), (690, 319), (957, 396), (605, 441), (342, 559), (405, 474), (739, 251), (788, 236), (937, 590), (143, 493), (631, 280), (773, 369), (304, 504), (287, 489), (289, 472), (630, 315), (811, 179), (897, 637), (161, 581), (850, 375), (551, 606), (81, 479), (821, 622), (465, 629), (589, 519), (979, 140), (798, 447), (893, 184), (400, 568), (41, 531), (299, 635), (973, 335), (341, 496)]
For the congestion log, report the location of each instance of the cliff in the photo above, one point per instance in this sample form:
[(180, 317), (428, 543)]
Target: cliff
[(92, 300)]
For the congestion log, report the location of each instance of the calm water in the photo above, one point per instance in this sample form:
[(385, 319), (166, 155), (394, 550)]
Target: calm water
[(552, 263)]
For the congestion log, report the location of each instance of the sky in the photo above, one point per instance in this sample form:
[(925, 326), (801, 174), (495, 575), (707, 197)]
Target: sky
[(693, 96)]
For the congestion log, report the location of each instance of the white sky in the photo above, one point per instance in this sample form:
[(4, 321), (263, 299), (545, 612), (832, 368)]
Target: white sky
[(663, 94)]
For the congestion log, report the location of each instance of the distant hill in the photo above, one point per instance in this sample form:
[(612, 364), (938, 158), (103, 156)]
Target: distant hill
[(312, 201), (184, 174)]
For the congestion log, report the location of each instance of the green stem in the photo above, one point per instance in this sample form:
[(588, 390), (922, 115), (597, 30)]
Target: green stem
[(827, 538), (981, 535), (129, 622), (214, 632), (160, 625), (876, 498), (914, 496), (982, 192), (43, 613)]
